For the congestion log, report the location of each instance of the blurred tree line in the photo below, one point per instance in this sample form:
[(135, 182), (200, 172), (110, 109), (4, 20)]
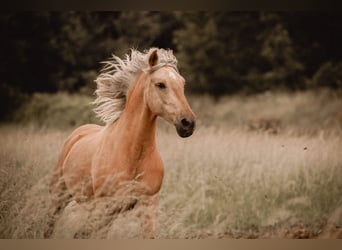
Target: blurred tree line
[(218, 52)]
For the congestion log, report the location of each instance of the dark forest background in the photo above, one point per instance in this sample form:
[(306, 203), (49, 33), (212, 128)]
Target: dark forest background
[(219, 53)]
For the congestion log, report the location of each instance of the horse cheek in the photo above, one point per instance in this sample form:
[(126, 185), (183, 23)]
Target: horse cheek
[(154, 102)]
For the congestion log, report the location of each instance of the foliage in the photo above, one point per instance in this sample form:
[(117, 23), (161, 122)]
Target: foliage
[(218, 52), (217, 58), (285, 69), (328, 75), (232, 52), (59, 110), (62, 51), (11, 99)]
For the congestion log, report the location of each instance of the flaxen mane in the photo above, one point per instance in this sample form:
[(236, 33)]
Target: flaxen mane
[(118, 75)]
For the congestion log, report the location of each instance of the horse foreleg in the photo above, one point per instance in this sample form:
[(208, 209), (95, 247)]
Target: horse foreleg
[(149, 216)]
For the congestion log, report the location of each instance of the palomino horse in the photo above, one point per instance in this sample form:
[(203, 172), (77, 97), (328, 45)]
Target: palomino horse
[(96, 161)]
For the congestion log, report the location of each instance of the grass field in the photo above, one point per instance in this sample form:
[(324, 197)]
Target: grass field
[(266, 166)]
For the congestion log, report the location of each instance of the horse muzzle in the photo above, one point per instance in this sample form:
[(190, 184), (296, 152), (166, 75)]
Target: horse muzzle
[(185, 127)]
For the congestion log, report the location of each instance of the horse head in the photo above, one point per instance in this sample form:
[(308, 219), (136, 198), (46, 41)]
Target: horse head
[(164, 95)]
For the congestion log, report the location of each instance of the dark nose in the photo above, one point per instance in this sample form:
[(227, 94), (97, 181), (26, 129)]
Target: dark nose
[(185, 127), (187, 124)]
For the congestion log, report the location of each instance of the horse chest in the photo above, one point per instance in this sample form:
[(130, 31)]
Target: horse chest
[(150, 174)]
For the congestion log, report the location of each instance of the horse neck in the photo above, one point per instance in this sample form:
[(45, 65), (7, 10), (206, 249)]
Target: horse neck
[(137, 124)]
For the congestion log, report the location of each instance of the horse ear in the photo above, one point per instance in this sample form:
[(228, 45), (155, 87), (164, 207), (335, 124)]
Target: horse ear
[(153, 59)]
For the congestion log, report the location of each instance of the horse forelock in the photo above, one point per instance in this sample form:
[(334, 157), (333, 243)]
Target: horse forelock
[(118, 75), (160, 65)]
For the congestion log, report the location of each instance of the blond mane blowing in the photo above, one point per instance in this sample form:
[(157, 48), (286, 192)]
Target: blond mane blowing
[(118, 75)]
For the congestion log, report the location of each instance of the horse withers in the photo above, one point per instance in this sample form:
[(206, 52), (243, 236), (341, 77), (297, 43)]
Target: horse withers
[(100, 161)]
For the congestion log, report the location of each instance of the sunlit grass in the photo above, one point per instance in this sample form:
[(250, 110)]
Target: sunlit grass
[(309, 113), (27, 156), (226, 180)]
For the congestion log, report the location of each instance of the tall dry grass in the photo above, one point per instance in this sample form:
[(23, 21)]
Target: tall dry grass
[(233, 182), (27, 155), (229, 179)]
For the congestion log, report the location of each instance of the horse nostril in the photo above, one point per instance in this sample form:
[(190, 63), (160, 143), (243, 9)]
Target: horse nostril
[(185, 122), (185, 127)]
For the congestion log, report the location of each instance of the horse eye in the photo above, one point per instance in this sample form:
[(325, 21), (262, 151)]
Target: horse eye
[(161, 85)]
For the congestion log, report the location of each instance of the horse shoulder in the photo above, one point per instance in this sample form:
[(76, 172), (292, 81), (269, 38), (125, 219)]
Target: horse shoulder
[(72, 139)]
